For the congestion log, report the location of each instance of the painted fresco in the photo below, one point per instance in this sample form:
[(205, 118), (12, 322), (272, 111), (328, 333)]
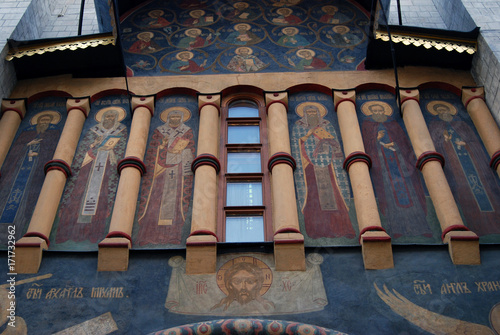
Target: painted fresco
[(474, 184), (165, 202), (325, 206), (85, 210), (204, 37), (424, 294), (406, 211), (22, 173)]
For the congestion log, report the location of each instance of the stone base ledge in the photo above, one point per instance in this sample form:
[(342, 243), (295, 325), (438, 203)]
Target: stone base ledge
[(289, 253), (113, 254), (463, 247), (201, 254), (29, 254), (376, 248)]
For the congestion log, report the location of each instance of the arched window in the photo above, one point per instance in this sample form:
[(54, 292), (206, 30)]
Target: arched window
[(244, 215)]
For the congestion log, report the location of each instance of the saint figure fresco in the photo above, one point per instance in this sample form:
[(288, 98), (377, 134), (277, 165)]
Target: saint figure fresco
[(89, 195), (144, 43), (185, 63), (474, 184), (397, 183), (292, 38), (319, 155), (194, 39), (242, 35), (308, 61), (167, 187), (244, 61), (22, 171)]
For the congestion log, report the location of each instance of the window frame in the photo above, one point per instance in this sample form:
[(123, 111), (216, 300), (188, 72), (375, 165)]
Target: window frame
[(265, 209)]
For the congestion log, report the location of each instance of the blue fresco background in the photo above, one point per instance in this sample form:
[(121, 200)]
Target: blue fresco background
[(353, 304), (217, 48)]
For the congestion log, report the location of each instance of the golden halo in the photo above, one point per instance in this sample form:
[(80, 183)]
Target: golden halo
[(431, 105), (242, 24), (148, 33), (245, 5), (266, 272), (56, 117), (298, 53), (156, 11), (300, 108), (191, 13), (121, 113), (238, 50), (341, 26), (365, 108), (184, 110), (193, 29), (284, 10), (191, 55), (325, 8), (296, 31)]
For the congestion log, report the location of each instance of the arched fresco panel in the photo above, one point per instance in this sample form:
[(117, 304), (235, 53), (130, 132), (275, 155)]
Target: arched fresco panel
[(405, 208), (247, 36), (22, 173), (83, 217), (325, 206), (165, 200), (475, 186)]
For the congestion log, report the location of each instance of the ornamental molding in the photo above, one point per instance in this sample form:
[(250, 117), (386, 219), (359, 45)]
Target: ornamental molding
[(51, 46), (429, 42)]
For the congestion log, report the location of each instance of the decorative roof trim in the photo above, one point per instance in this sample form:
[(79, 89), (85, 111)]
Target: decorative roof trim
[(429, 42), (51, 46)]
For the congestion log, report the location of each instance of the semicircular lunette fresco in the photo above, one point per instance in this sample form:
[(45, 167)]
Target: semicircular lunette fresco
[(224, 36)]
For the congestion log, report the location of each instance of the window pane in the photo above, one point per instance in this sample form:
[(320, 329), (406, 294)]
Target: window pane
[(243, 108), (243, 134), (244, 194), (244, 229), (243, 162), (243, 111)]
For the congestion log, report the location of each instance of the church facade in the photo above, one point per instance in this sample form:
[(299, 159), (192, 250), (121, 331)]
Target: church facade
[(256, 168)]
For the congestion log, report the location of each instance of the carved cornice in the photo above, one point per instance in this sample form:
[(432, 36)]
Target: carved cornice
[(80, 42), (428, 41)]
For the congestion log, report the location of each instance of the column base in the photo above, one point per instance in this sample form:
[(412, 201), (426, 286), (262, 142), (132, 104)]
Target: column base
[(376, 248), (289, 253), (463, 247), (201, 254), (113, 254), (29, 254)]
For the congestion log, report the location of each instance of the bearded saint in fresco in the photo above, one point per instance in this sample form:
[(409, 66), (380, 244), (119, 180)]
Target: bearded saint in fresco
[(324, 183), (475, 186), (90, 192), (396, 181), (22, 171), (167, 187)]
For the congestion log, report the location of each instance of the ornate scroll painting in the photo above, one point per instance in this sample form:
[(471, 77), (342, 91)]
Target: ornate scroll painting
[(202, 37), (165, 202), (325, 206), (22, 173), (406, 211), (86, 205), (475, 186)]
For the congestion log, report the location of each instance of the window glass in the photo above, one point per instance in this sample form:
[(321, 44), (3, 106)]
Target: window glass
[(243, 162), (244, 229), (243, 134), (244, 194), (243, 109)]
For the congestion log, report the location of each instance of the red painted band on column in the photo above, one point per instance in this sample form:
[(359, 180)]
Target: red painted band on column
[(495, 160), (456, 227), (344, 100), (118, 233), (373, 228), (144, 106), (205, 159), (408, 99), (357, 156), (287, 230), (131, 162), (473, 98), (281, 158), (37, 234), (275, 102), (57, 164), (14, 110), (210, 104), (81, 109), (427, 157)]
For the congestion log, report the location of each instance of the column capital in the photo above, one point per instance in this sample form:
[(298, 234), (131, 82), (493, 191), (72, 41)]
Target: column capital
[(15, 105), (209, 99), (471, 93), (147, 102), (340, 96), (276, 97), (82, 104), (409, 94)]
